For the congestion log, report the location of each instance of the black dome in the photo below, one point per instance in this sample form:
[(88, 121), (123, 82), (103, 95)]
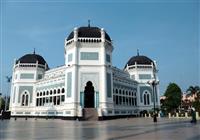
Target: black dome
[(31, 58), (90, 32), (139, 59)]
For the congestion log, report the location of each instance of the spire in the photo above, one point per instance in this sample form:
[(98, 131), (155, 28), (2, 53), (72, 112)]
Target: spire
[(138, 52), (34, 51), (88, 22)]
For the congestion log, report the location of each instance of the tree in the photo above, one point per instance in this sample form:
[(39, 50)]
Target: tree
[(8, 103), (173, 96), (2, 103), (193, 90), (196, 105)]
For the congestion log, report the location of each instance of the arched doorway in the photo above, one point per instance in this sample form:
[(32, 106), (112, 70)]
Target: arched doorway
[(89, 95)]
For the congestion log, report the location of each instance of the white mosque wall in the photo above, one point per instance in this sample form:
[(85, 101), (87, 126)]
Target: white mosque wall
[(84, 61)]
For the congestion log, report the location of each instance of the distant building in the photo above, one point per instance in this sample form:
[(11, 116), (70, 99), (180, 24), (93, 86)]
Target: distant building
[(87, 82), (186, 100), (189, 97)]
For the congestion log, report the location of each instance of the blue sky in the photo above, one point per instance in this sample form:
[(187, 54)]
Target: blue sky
[(165, 31)]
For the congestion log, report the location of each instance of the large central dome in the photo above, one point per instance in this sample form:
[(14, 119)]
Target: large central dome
[(89, 32)]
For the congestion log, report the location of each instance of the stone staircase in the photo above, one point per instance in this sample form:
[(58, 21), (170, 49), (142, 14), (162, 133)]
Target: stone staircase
[(90, 114)]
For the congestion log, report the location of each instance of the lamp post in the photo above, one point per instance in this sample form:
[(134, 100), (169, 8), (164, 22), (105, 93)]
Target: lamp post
[(153, 83)]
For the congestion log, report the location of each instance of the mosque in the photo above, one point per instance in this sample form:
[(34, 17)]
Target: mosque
[(87, 86)]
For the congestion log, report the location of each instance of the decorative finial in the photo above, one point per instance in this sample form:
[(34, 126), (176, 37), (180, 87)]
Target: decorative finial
[(138, 52), (89, 23), (34, 51)]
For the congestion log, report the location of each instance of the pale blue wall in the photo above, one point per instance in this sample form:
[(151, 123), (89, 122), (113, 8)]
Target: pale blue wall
[(109, 94), (144, 76), (96, 101), (22, 89), (142, 89), (26, 76), (70, 57), (89, 56), (52, 86), (69, 84), (108, 58), (14, 92)]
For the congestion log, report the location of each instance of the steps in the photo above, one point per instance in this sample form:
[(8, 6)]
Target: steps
[(90, 114)]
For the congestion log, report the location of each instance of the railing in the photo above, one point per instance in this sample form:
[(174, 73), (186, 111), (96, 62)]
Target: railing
[(29, 65), (174, 115)]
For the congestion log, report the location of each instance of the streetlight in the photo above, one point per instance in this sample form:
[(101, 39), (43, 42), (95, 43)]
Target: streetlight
[(153, 83)]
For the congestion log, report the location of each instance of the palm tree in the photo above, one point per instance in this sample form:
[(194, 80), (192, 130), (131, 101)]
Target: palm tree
[(193, 90)]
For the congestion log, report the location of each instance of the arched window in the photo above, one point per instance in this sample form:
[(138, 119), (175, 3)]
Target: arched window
[(120, 100), (114, 99), (116, 91), (135, 101), (117, 100), (146, 98), (129, 101), (63, 90), (25, 99), (58, 91), (47, 92), (126, 102), (54, 91)]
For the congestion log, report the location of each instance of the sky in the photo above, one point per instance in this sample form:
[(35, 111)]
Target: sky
[(164, 30)]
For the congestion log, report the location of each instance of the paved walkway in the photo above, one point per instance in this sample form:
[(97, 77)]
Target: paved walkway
[(120, 129)]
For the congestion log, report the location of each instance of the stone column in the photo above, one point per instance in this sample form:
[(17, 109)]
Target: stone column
[(169, 114), (177, 115), (158, 114), (186, 114), (197, 115)]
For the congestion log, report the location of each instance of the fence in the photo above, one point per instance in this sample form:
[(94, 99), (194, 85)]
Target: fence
[(174, 115)]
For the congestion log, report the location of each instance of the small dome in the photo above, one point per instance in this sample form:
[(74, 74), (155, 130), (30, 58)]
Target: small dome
[(139, 59), (31, 58), (89, 32)]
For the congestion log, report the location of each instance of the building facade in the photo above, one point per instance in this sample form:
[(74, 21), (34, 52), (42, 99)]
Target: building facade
[(87, 82)]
